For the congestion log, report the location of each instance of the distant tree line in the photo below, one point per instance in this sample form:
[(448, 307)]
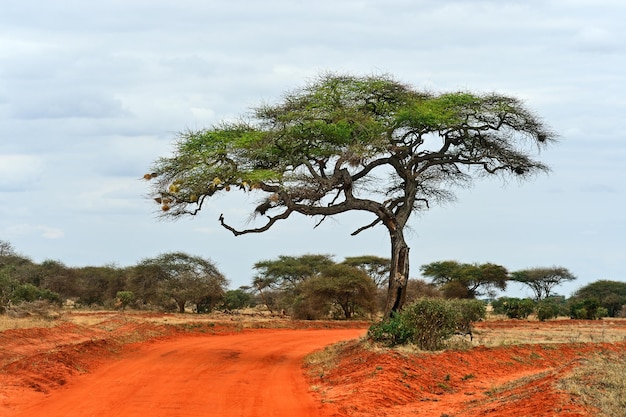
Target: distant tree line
[(170, 282), (310, 286)]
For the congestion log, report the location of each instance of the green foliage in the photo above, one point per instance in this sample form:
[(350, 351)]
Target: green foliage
[(96, 285), (125, 298), (468, 312), (375, 266), (29, 293), (13, 292), (344, 287), (392, 331), (457, 280), (513, 308), (237, 299), (610, 295), (433, 322), (428, 323), (549, 308), (308, 308), (289, 271), (7, 287), (587, 309), (186, 278)]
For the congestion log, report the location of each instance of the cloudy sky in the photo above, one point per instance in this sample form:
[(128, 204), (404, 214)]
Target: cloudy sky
[(92, 92)]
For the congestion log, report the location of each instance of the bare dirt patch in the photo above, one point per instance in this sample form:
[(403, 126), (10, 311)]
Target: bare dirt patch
[(517, 374), (168, 365), (173, 365)]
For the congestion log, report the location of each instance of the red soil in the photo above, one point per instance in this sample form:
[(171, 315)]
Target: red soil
[(75, 371), (519, 380), (141, 368)]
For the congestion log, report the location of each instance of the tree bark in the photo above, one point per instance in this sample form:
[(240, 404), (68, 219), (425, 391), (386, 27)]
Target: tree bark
[(398, 275)]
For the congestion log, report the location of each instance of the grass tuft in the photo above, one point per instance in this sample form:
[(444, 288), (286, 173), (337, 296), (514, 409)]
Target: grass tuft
[(599, 384)]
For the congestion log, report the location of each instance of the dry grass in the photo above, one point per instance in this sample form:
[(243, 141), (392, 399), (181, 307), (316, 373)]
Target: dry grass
[(7, 323), (599, 383), (491, 334), (320, 362)]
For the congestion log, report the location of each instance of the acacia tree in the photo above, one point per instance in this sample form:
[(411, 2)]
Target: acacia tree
[(345, 286), (374, 266), (289, 271), (457, 280), (183, 278), (347, 143), (542, 280), (286, 273)]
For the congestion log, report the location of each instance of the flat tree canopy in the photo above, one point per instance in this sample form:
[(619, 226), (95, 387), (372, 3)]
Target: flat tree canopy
[(543, 280), (460, 280), (347, 143)]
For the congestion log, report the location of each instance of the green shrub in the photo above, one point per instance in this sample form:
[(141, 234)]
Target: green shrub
[(587, 309), (468, 311), (428, 323), (547, 309), (124, 298), (433, 321), (29, 293), (304, 308), (514, 308), (391, 332)]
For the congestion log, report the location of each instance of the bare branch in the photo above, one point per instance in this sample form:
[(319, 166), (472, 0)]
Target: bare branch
[(360, 229), (268, 225), (320, 222)]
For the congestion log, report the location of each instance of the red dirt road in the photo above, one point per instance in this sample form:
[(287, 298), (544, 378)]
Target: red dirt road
[(246, 374)]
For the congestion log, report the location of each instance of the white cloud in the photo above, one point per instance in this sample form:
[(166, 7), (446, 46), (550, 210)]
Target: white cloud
[(92, 92), (36, 230), (595, 39), (20, 172)]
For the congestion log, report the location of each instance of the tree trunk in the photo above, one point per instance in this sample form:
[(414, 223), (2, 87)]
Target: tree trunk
[(264, 300), (398, 275)]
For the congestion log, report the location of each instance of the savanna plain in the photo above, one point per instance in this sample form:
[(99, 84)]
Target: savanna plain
[(104, 363)]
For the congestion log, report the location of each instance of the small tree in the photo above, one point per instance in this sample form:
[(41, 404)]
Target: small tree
[(347, 287), (124, 298), (513, 308), (346, 144), (7, 287), (542, 280), (458, 280), (6, 249), (186, 278), (237, 299), (285, 274), (610, 295)]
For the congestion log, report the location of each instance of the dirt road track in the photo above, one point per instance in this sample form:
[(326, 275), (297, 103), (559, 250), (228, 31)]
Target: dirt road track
[(245, 375)]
